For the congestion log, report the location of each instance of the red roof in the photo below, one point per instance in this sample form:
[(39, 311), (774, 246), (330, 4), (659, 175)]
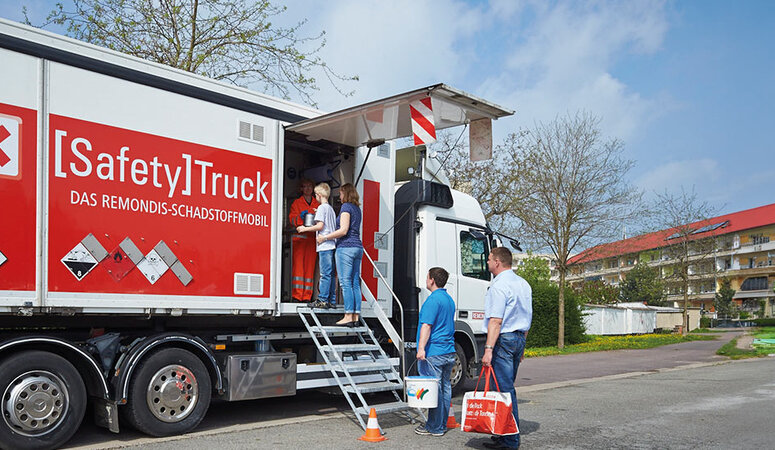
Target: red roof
[(742, 220)]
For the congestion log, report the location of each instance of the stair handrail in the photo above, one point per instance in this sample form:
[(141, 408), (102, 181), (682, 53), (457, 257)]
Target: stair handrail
[(399, 345)]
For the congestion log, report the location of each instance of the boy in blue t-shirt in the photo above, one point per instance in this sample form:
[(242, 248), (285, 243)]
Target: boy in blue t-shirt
[(436, 348)]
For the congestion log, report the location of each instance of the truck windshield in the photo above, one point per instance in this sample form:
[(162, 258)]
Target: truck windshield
[(473, 256)]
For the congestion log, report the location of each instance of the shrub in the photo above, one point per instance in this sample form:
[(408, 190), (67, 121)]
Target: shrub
[(705, 322), (769, 322), (543, 331)]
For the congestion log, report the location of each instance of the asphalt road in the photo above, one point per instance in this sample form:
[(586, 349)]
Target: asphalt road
[(619, 399)]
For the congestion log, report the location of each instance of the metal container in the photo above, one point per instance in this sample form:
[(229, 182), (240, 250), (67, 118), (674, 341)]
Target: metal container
[(259, 375), (309, 220)]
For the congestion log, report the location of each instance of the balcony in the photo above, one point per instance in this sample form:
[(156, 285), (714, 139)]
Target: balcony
[(757, 287), (763, 293), (762, 268), (751, 247)]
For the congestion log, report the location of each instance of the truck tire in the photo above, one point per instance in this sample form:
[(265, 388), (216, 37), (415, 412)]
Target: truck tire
[(169, 393), (43, 401), (459, 373)]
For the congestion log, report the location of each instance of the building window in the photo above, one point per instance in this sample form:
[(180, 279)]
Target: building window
[(757, 239), (754, 284)]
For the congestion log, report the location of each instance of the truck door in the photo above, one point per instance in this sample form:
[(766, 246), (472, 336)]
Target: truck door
[(473, 277), (438, 248), (20, 165), (376, 189)]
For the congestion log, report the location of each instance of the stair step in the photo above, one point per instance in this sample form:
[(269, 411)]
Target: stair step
[(338, 329), (308, 310), (351, 347), (363, 365), (378, 386), (383, 408)]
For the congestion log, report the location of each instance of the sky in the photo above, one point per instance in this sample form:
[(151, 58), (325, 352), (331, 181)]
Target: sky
[(688, 87)]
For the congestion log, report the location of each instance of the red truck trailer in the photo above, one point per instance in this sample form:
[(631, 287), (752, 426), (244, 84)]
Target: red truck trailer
[(145, 248)]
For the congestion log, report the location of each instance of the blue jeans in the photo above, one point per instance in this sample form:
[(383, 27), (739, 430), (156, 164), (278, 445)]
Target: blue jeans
[(348, 268), (505, 361), (439, 366), (326, 287)]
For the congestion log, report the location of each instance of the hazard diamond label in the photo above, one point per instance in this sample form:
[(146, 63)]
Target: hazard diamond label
[(10, 130), (152, 266), (118, 264), (79, 261)]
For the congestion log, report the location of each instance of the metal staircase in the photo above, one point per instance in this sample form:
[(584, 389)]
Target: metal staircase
[(362, 355)]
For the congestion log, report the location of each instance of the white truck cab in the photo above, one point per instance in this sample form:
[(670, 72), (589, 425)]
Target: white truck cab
[(440, 227)]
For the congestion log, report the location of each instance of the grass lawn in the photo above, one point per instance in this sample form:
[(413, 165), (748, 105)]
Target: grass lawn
[(765, 333), (602, 343), (730, 348)]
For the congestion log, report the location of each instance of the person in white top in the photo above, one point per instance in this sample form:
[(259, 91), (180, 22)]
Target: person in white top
[(325, 223)]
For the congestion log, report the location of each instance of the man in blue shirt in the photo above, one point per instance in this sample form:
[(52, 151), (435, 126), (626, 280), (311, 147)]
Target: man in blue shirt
[(508, 311), (436, 348)]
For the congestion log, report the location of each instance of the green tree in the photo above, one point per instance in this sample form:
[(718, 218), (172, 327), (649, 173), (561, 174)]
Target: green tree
[(723, 303), (543, 330), (643, 284), (598, 292), (229, 40), (534, 269)]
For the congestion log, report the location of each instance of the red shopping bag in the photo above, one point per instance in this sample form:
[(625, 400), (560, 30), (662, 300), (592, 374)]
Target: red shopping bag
[(488, 412)]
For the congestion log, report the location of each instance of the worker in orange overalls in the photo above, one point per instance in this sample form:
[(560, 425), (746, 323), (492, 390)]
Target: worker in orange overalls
[(304, 254)]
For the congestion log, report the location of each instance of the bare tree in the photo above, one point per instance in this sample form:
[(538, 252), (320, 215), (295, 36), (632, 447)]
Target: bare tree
[(570, 190), (492, 182), (230, 40), (690, 248)]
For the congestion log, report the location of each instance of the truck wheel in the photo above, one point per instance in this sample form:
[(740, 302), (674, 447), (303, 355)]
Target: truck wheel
[(459, 373), (43, 402), (169, 393)]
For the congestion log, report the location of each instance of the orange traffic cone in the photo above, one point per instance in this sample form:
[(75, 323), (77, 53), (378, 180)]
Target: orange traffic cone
[(372, 433), (451, 422)]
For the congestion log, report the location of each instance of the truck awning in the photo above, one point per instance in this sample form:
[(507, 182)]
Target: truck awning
[(389, 118)]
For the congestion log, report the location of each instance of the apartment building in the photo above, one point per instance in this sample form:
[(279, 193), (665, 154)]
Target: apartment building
[(741, 248)]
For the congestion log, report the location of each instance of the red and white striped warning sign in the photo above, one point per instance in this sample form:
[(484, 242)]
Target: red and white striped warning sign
[(423, 129)]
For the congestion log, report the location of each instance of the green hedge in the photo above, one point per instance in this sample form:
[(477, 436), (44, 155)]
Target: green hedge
[(768, 322), (543, 331), (705, 322)]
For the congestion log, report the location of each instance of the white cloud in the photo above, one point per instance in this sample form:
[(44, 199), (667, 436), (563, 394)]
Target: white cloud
[(702, 174), (392, 46), (712, 181), (540, 59), (565, 62)]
